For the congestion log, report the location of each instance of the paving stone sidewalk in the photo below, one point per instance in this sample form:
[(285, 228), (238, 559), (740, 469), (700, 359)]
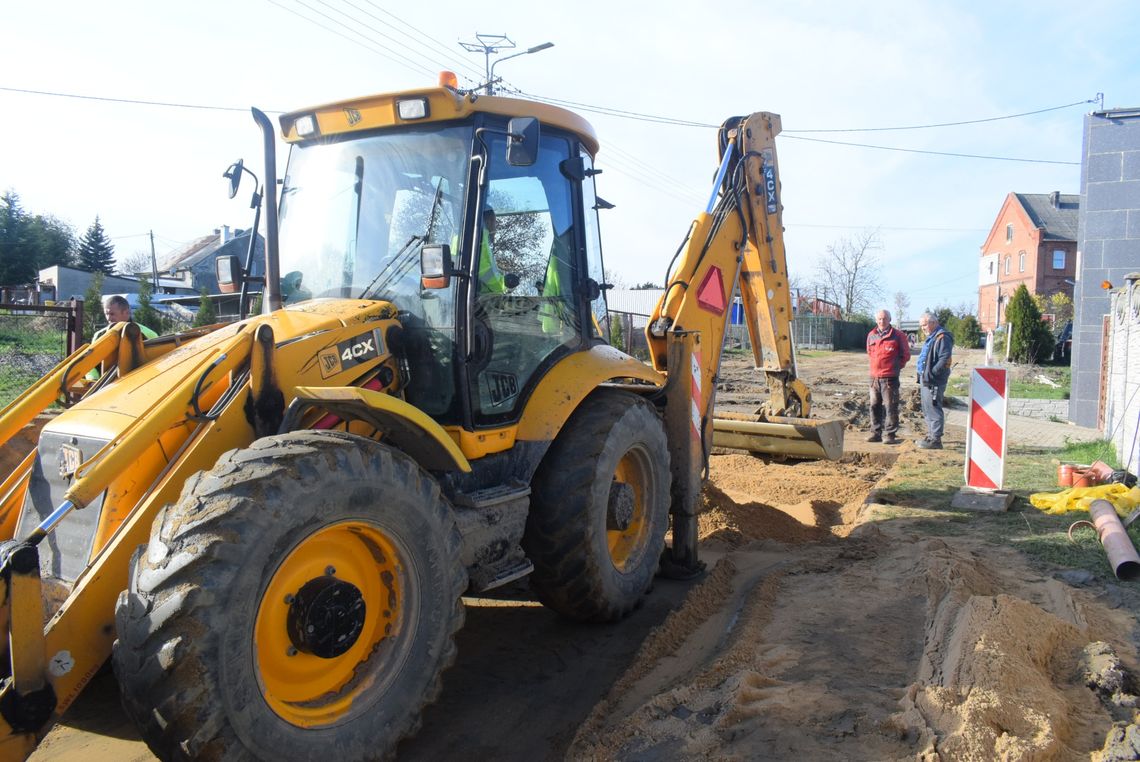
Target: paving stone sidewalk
[(1032, 431)]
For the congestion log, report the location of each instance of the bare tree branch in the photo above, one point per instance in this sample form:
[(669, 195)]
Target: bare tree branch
[(849, 275)]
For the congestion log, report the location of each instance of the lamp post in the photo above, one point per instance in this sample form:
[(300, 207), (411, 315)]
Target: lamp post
[(528, 51)]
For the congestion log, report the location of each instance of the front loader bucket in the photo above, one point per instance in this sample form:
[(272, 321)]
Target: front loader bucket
[(806, 438)]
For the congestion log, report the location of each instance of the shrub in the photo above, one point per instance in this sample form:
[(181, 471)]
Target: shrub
[(1030, 338)]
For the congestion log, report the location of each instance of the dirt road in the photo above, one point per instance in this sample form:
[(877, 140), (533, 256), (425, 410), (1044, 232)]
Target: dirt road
[(824, 627)]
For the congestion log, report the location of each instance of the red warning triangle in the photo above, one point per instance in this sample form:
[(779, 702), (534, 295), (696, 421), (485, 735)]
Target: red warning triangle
[(710, 295)]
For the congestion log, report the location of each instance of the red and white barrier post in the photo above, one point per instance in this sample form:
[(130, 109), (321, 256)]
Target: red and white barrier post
[(986, 429)]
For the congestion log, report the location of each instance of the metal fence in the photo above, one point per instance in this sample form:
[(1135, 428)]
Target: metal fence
[(34, 339)]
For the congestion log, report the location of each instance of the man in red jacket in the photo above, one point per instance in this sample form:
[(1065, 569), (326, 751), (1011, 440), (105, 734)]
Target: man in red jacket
[(888, 350)]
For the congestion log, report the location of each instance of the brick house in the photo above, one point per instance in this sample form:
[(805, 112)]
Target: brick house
[(1032, 241)]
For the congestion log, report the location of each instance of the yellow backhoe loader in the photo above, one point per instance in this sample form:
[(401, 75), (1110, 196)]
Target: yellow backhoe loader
[(269, 524)]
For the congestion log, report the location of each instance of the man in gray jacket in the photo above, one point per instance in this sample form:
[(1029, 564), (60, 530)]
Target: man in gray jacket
[(933, 374)]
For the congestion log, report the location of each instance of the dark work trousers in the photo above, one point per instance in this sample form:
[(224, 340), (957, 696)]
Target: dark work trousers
[(885, 404), (932, 397)]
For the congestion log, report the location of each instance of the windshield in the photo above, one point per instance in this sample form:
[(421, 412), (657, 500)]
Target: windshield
[(356, 212)]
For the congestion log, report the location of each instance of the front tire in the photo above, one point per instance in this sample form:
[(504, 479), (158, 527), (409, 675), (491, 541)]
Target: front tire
[(299, 602), (600, 508)]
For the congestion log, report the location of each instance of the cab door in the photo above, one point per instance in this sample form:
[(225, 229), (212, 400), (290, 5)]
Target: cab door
[(526, 311)]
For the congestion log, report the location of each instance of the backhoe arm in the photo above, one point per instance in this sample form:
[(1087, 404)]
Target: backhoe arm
[(738, 239)]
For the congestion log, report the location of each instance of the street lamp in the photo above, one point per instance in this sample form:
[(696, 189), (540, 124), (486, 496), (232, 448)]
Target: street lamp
[(528, 51)]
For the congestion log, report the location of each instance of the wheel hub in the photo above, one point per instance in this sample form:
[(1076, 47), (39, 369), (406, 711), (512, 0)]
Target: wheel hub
[(619, 511), (326, 617)]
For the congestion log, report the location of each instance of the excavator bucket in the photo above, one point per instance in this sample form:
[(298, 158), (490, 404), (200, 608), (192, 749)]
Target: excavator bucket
[(805, 438)]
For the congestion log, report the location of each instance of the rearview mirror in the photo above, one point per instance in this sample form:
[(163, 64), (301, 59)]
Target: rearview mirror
[(523, 133), (229, 274), (233, 174), (435, 266)]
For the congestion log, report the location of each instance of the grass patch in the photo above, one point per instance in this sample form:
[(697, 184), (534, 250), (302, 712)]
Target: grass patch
[(1023, 383), (920, 491), (1035, 390)]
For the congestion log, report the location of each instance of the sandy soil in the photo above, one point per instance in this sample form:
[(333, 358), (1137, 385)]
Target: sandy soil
[(823, 628)]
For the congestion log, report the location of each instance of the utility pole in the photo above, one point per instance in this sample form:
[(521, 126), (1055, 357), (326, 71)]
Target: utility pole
[(488, 44), (154, 263)]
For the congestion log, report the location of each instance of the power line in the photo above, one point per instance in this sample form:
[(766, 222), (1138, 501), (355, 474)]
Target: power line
[(884, 227), (350, 17), (935, 153), (442, 46), (952, 124), (393, 58), (130, 101), (951, 154)]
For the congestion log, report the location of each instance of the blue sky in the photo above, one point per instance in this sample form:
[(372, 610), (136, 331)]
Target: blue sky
[(822, 65)]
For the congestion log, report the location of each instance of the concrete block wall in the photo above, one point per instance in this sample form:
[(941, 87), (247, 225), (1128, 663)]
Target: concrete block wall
[(1108, 243), (1122, 398)]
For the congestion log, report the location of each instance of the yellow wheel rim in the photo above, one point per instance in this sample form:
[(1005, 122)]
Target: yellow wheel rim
[(308, 690), (627, 545)]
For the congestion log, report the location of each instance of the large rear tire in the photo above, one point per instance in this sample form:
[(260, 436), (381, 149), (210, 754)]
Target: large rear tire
[(600, 508), (299, 601)]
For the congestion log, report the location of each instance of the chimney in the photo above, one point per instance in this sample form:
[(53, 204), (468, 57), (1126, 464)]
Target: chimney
[(224, 235), (1055, 199)]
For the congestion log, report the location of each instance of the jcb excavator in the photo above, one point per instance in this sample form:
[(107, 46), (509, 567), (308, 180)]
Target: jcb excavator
[(269, 524)]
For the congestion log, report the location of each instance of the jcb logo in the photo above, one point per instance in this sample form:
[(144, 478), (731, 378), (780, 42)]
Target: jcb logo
[(503, 387)]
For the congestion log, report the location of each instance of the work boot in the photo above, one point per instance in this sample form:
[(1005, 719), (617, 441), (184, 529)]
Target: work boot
[(891, 439), (930, 444), (875, 437)]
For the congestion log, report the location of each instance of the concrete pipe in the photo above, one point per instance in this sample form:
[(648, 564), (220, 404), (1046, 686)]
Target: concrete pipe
[(1117, 544)]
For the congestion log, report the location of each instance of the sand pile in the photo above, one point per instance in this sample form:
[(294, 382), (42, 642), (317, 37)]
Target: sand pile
[(869, 648)]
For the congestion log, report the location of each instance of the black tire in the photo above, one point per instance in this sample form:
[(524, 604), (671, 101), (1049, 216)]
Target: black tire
[(205, 670), (584, 567)]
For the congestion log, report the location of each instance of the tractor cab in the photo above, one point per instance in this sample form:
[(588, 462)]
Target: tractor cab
[(479, 225)]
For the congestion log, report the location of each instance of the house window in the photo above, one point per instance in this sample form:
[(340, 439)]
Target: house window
[(1008, 233), (1058, 259), (1021, 262), (1007, 261)]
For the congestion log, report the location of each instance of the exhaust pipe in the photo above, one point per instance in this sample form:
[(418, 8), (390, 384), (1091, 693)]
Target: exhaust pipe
[(1117, 544), (272, 299)]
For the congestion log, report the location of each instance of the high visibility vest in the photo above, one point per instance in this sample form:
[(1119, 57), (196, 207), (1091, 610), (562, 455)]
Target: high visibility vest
[(490, 279)]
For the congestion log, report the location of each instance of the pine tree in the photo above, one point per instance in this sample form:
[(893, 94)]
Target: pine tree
[(96, 254), (207, 315), (17, 260), (93, 318), (1031, 338)]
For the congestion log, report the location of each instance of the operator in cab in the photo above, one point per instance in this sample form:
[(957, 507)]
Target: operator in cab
[(491, 280)]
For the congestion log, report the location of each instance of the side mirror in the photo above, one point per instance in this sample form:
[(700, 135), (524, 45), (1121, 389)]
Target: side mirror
[(435, 266), (233, 174), (523, 133), (229, 274)]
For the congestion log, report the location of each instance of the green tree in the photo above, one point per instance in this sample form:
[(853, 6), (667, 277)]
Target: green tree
[(17, 260), (967, 333), (93, 318), (207, 314), (617, 331), (96, 254), (30, 242), (1030, 338), (146, 314), (52, 240)]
